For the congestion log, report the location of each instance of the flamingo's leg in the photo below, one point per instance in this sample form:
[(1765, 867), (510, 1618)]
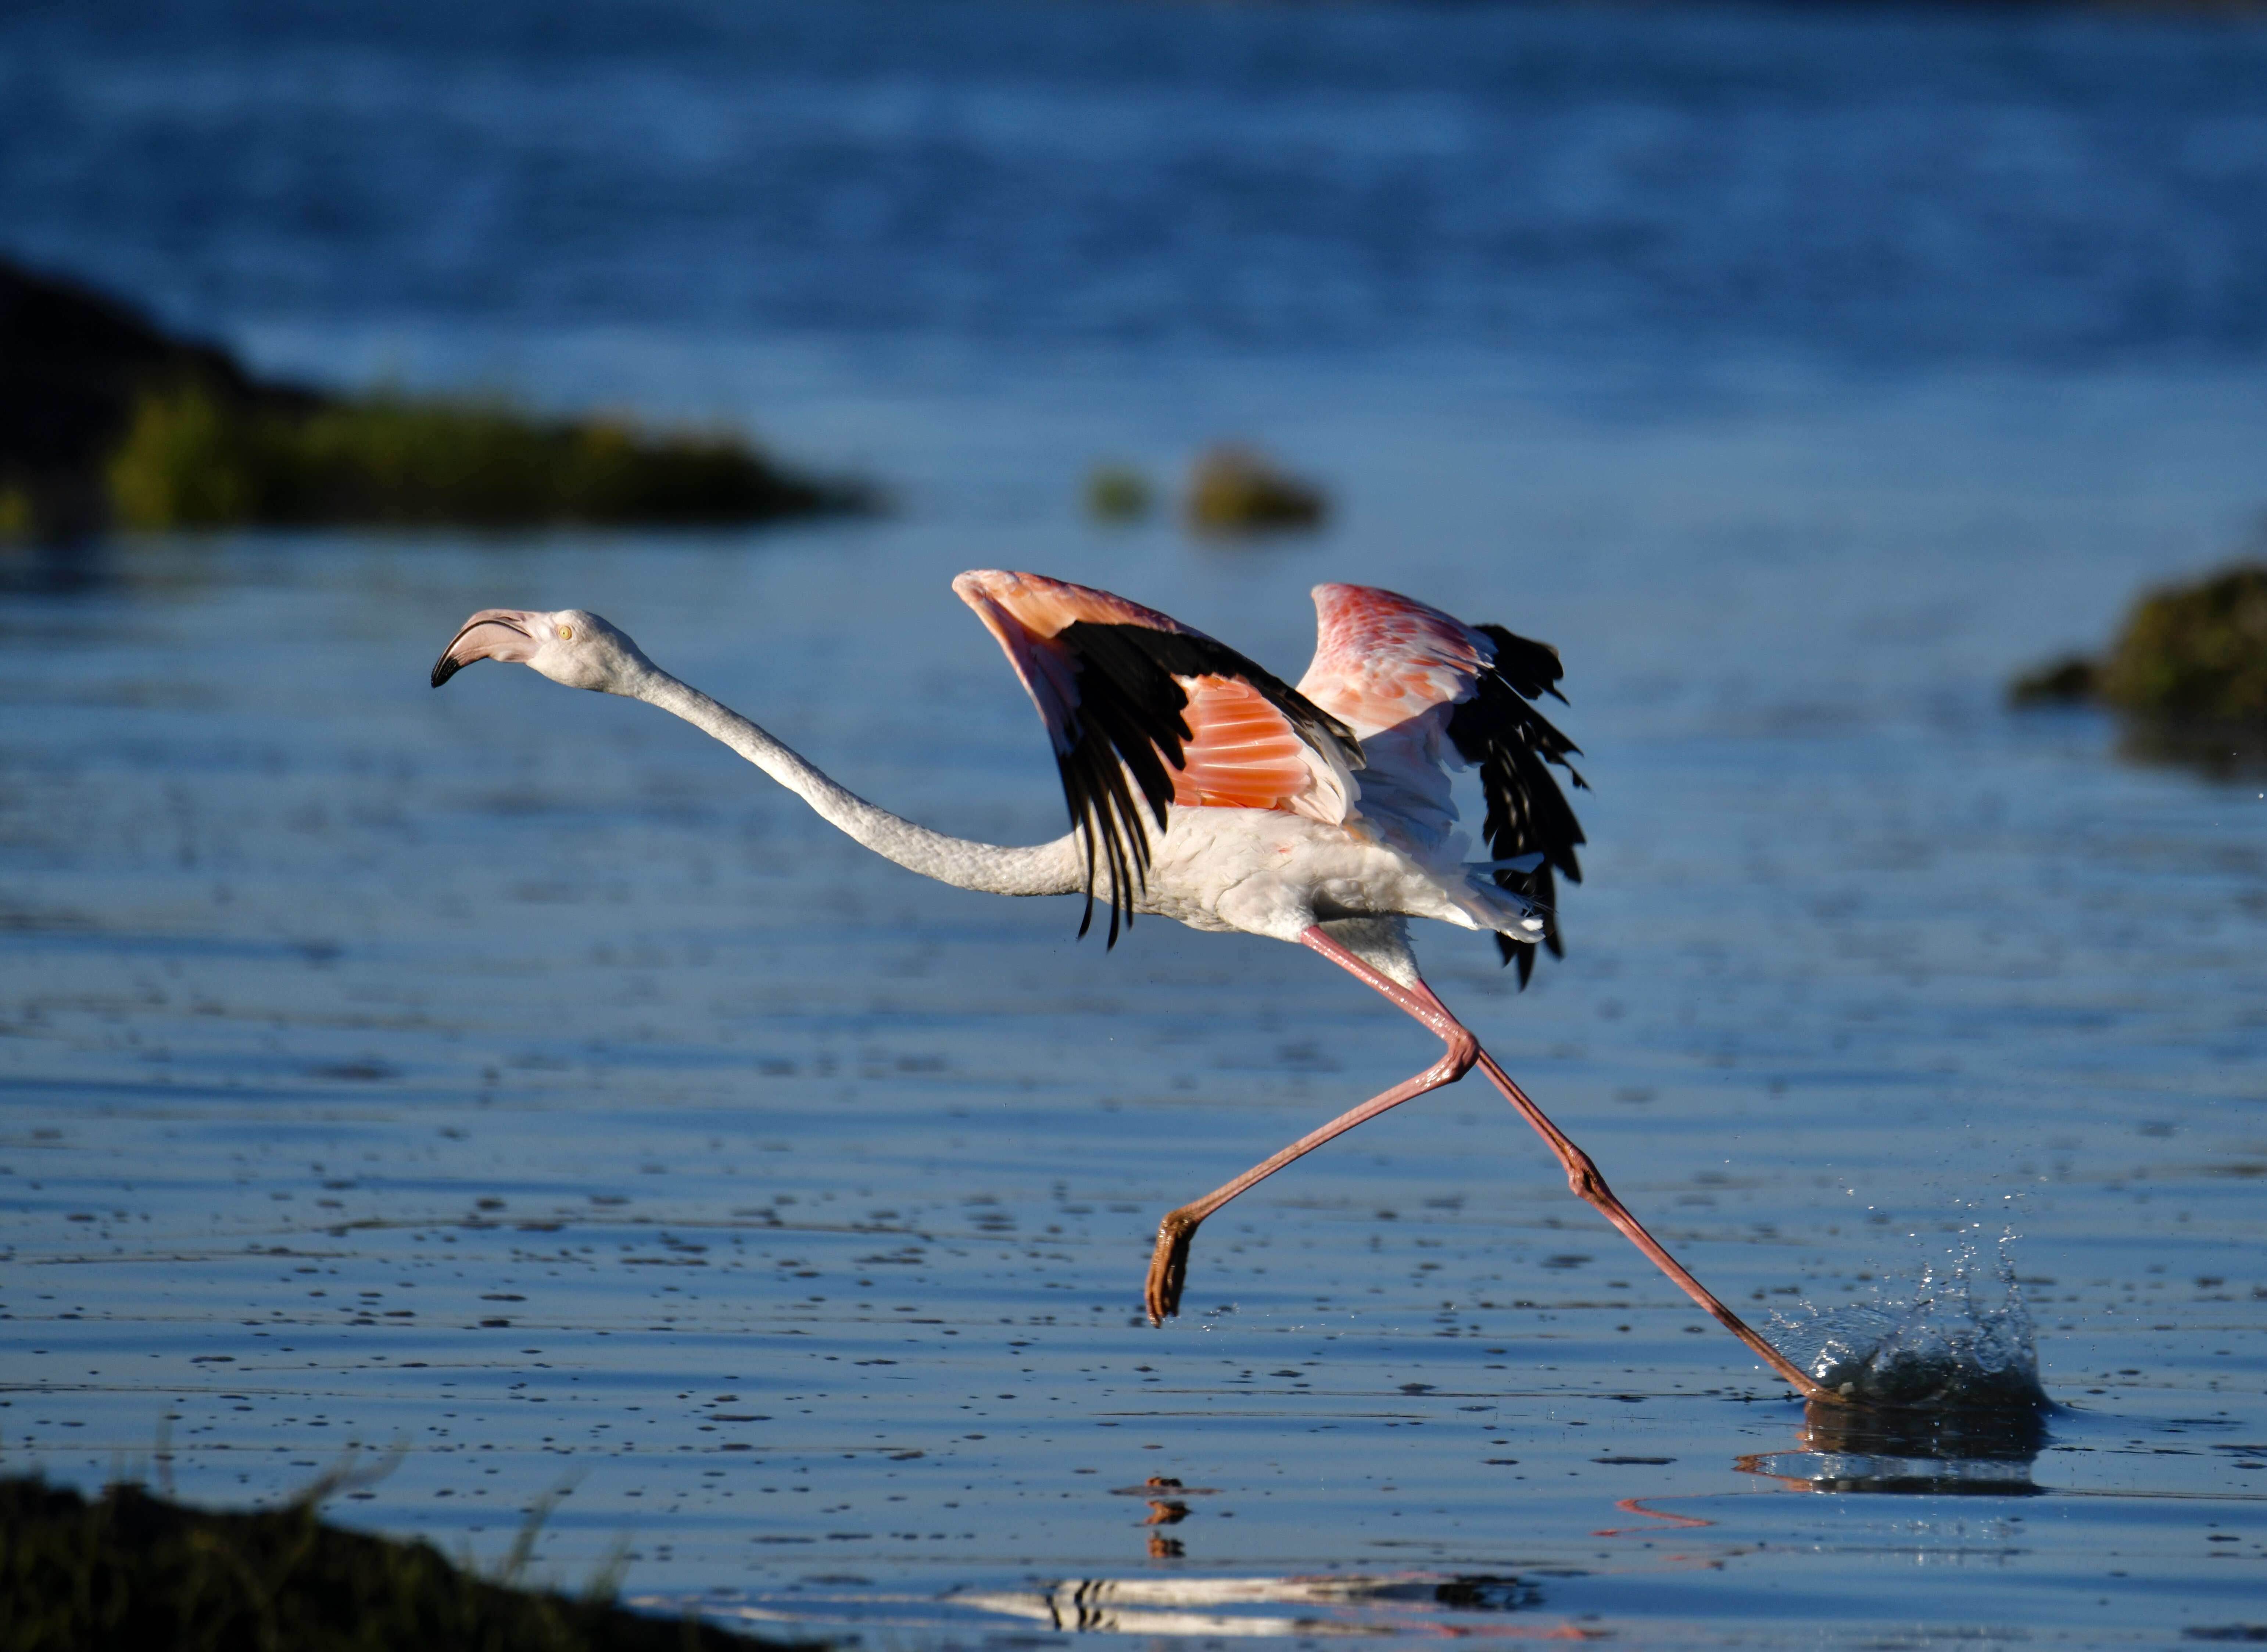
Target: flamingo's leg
[(1582, 1175), (1169, 1264)]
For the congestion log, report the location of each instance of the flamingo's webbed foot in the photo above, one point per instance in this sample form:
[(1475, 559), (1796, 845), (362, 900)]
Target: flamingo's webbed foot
[(1169, 1266)]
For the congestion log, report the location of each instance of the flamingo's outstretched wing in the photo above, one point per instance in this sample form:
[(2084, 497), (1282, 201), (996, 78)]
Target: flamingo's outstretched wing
[(1136, 701), (1403, 675)]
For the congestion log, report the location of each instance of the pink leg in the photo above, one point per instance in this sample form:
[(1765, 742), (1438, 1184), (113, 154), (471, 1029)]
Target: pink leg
[(1582, 1175), (1169, 1264)]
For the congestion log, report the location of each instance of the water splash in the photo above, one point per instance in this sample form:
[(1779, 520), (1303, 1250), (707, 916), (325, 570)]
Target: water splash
[(1958, 1342)]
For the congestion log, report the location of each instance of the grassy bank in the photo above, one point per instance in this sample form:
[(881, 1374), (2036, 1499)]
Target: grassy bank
[(191, 458), (131, 1571), (2193, 654), (107, 420)]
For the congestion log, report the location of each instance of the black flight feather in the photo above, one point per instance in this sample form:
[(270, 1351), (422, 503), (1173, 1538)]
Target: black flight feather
[(1499, 731), (1128, 722)]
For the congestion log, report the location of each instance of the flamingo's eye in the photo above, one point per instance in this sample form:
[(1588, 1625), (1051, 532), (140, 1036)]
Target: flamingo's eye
[(566, 633)]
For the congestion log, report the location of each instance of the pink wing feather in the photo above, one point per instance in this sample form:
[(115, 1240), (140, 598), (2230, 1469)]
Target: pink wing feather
[(1381, 659), (1407, 679), (1244, 753)]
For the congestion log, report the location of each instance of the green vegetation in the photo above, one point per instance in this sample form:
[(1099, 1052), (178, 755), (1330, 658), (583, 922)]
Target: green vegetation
[(2065, 681), (133, 1572), (187, 462), (106, 418), (19, 514), (190, 458), (1235, 490), (2193, 654), (1118, 493)]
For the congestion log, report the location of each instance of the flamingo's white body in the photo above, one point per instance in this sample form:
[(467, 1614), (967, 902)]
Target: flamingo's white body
[(1204, 789), (1265, 873)]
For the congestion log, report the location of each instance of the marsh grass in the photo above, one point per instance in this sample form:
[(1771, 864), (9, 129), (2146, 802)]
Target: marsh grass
[(2195, 653), (19, 516), (191, 458), (2187, 674), (1118, 493), (136, 1572), (1237, 490)]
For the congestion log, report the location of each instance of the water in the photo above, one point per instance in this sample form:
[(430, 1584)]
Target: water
[(508, 1075)]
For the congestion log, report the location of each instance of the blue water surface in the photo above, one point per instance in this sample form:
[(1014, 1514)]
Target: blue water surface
[(513, 1080)]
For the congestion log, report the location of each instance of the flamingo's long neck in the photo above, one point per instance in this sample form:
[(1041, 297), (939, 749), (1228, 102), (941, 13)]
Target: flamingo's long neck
[(1045, 869)]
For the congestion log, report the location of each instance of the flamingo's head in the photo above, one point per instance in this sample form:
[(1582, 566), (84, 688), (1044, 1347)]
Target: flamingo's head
[(571, 647)]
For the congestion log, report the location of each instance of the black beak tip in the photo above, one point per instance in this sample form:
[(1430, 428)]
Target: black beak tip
[(445, 668)]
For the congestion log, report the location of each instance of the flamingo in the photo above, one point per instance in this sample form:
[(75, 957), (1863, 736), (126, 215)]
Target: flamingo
[(1204, 789)]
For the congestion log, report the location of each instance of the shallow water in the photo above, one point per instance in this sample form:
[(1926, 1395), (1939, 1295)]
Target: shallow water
[(513, 1077), (497, 1074)]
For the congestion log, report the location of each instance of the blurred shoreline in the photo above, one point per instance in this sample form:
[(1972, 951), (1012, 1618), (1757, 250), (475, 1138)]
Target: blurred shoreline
[(105, 420)]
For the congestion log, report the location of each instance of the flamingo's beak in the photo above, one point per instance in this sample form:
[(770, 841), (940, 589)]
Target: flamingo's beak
[(499, 634)]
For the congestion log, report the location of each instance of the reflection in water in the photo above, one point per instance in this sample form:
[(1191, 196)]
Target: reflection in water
[(1164, 1494), (1397, 1603), (1986, 1453), (1255, 1605), (1671, 1521), (1164, 1511), (58, 565), (2225, 752)]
